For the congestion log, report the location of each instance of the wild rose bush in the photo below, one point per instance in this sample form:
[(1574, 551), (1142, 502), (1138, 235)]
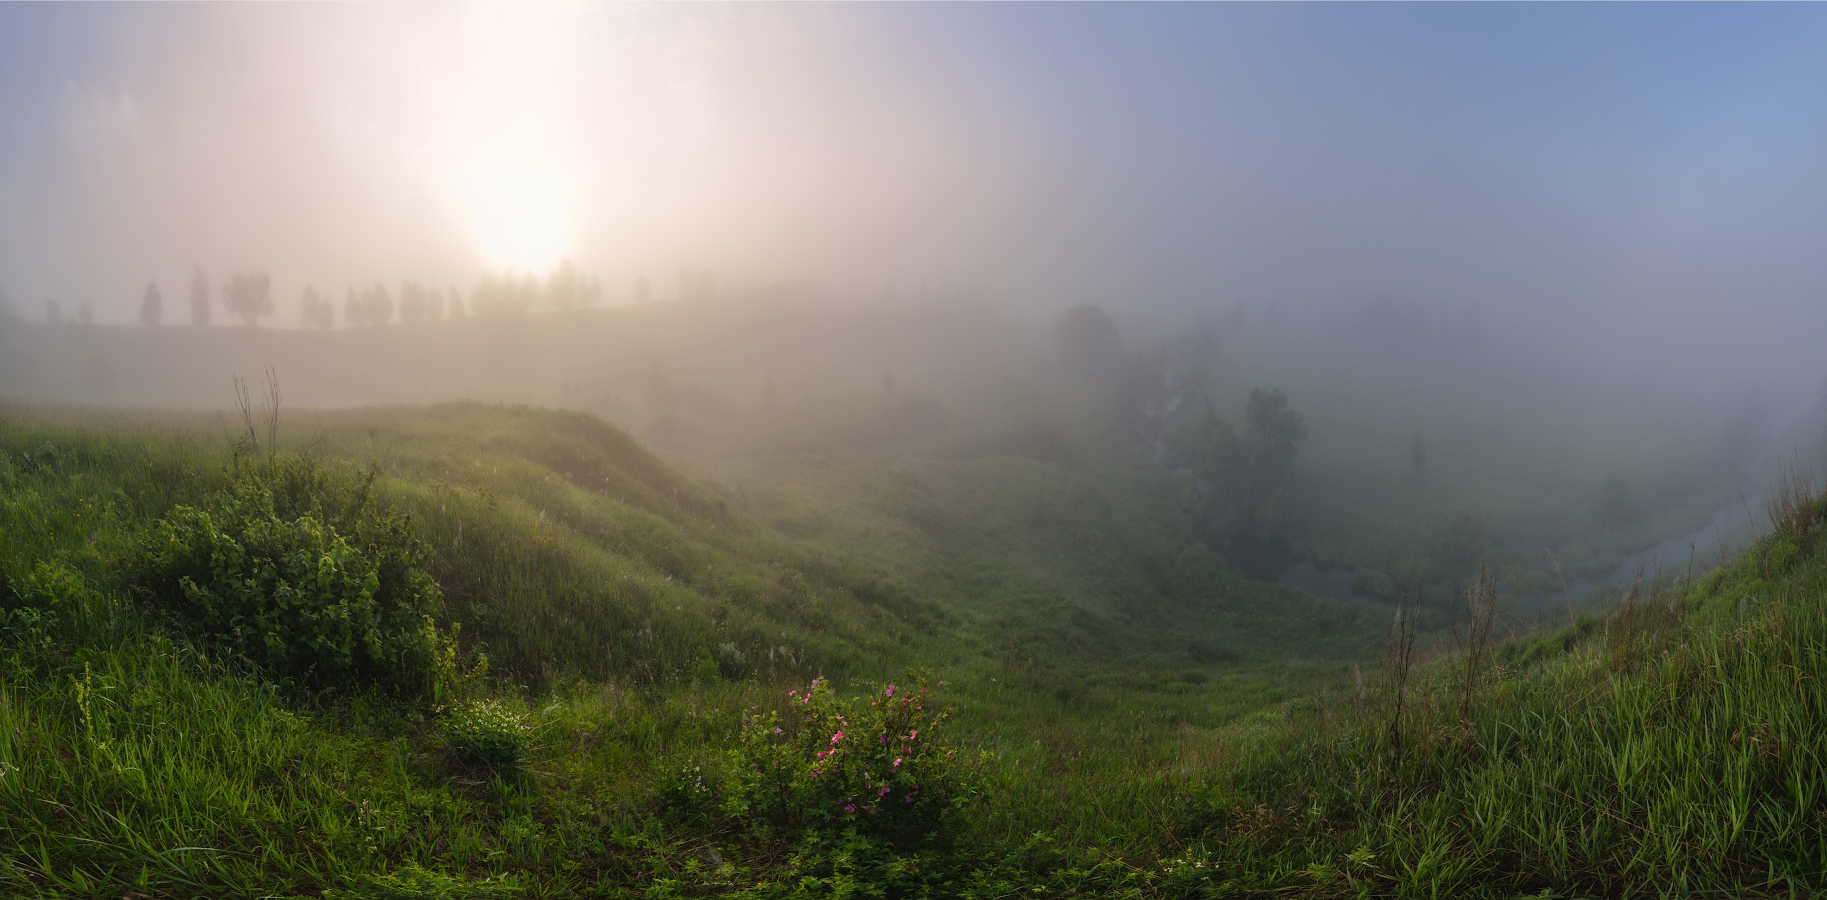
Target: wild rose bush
[(874, 765)]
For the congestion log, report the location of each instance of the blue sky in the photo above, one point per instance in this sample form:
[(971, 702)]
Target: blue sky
[(1650, 167)]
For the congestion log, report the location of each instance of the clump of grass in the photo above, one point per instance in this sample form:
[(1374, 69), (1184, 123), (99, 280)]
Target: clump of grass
[(486, 733)]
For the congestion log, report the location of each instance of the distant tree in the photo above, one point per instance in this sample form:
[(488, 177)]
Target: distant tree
[(85, 313), (589, 290), (53, 312), (152, 307), (434, 305), (316, 312), (199, 299), (248, 296), (379, 305), (888, 383), (1417, 454), (412, 302), (562, 287), (456, 303), (354, 311), (643, 291), (768, 393), (1242, 503)]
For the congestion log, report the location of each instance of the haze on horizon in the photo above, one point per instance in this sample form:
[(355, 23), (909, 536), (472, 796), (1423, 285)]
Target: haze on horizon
[(1638, 186)]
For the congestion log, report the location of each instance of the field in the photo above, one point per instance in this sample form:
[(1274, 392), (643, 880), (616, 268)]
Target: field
[(1127, 716)]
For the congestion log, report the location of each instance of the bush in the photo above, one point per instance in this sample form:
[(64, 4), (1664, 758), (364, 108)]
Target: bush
[(878, 769), (297, 571), (486, 733)]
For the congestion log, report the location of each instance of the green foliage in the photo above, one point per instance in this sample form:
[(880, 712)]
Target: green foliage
[(414, 883), (879, 770), (486, 733), (1245, 507), (297, 571)]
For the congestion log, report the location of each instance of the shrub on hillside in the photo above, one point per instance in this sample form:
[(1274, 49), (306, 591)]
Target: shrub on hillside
[(487, 733), (877, 768), (296, 570)]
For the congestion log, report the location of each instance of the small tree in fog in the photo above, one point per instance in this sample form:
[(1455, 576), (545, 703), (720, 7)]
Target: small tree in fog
[(152, 306), (53, 312), (316, 312), (434, 305), (377, 305), (562, 286), (248, 296), (199, 299), (1417, 454), (353, 311), (1243, 502), (85, 313), (456, 303), (642, 290), (412, 302)]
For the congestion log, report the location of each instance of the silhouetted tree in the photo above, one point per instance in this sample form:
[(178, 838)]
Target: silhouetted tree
[(53, 312), (248, 296), (377, 306), (1243, 480), (316, 312), (412, 302), (1417, 454), (85, 313), (152, 306), (199, 299), (562, 286), (456, 303), (354, 311), (434, 305)]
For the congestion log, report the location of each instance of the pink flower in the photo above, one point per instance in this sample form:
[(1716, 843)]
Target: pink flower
[(897, 760), (850, 808), (909, 737), (836, 737), (890, 691)]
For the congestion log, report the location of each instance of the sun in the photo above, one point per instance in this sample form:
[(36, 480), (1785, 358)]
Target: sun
[(520, 211)]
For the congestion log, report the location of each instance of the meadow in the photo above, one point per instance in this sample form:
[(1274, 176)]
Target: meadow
[(1123, 715)]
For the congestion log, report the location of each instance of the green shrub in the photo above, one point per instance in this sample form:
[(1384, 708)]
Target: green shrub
[(414, 883), (297, 571), (486, 733), (830, 766)]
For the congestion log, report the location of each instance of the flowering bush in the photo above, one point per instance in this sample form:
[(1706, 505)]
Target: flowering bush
[(872, 764), (486, 733)]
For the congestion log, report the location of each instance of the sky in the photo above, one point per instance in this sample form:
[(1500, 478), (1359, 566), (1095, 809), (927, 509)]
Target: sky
[(1643, 177)]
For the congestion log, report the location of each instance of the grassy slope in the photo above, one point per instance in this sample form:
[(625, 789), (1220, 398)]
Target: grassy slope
[(604, 584), (1671, 745)]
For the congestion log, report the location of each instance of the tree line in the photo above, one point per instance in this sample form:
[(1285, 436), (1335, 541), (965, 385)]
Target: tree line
[(249, 298)]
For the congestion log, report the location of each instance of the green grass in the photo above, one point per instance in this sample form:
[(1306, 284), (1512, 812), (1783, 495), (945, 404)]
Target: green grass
[(1123, 711)]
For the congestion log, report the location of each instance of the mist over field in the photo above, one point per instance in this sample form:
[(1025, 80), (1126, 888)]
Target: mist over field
[(1133, 366)]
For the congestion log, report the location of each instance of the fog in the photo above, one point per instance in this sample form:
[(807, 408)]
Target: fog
[(1539, 236)]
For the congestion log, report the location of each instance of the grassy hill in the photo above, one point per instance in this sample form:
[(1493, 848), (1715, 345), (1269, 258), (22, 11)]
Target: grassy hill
[(1128, 718)]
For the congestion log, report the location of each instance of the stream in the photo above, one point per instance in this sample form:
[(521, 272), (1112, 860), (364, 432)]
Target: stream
[(1705, 547)]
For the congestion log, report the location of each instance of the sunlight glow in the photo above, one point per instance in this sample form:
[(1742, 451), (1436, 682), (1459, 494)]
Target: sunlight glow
[(520, 211)]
